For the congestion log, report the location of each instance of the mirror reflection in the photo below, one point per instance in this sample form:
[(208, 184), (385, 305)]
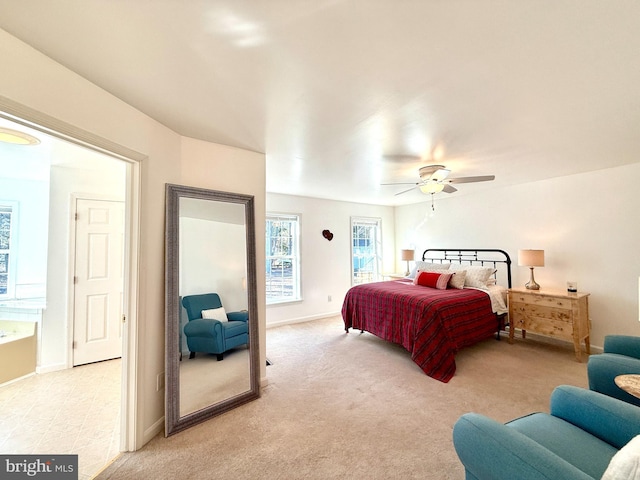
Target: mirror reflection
[(214, 303), (211, 304)]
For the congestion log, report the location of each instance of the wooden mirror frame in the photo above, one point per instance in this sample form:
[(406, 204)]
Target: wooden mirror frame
[(175, 423)]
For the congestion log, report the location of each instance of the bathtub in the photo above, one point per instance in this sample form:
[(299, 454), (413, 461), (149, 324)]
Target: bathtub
[(17, 349)]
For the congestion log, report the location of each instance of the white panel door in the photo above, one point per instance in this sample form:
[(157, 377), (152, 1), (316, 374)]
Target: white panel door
[(98, 282)]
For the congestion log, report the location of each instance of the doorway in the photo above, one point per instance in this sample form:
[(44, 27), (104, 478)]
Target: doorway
[(65, 136)]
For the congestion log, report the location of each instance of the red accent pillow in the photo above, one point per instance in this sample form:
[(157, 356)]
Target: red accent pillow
[(433, 280)]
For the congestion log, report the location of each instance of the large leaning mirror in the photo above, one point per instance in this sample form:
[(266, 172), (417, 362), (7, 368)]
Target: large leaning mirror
[(212, 358)]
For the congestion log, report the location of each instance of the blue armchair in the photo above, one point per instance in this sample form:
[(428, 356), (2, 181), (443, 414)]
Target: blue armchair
[(577, 440), (210, 335), (621, 356)]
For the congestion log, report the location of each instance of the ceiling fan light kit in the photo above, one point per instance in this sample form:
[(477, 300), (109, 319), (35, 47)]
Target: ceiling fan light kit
[(433, 179), (432, 187)]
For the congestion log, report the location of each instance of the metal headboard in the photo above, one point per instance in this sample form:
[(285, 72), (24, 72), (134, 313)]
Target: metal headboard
[(471, 256)]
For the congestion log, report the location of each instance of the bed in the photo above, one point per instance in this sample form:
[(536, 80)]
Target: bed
[(434, 324)]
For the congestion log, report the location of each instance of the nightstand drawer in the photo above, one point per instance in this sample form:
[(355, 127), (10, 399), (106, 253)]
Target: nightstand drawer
[(552, 328), (533, 299), (542, 311), (542, 325)]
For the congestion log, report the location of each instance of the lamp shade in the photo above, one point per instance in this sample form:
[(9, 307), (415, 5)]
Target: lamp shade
[(407, 255), (531, 258)]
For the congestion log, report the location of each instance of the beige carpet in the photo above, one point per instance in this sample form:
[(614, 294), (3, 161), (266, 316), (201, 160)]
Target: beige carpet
[(204, 380), (351, 406)]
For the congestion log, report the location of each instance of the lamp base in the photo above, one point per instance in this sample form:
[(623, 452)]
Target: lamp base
[(531, 284)]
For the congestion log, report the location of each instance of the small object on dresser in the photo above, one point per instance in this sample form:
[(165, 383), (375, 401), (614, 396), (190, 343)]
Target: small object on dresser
[(572, 287)]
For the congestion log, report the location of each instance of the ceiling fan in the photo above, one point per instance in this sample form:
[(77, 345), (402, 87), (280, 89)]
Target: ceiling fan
[(433, 179)]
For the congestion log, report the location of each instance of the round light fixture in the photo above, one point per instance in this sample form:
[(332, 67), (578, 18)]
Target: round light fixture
[(432, 187), (15, 137)]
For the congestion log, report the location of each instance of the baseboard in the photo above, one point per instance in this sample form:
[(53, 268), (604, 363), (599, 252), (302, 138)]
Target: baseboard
[(595, 349), (51, 368), (152, 431), (310, 318), (14, 380)]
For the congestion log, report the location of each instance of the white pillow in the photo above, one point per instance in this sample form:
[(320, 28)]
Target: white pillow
[(215, 314), (626, 463), (424, 266), (477, 275), (457, 279)]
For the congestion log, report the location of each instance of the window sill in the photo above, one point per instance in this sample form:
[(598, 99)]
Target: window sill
[(282, 303)]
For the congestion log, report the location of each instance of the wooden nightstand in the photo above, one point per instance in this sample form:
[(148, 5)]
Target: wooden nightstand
[(552, 313)]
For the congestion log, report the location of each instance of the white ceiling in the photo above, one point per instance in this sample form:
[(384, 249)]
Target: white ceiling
[(340, 94)]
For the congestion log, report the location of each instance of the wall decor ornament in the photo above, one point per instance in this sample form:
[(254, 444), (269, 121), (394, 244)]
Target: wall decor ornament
[(327, 234)]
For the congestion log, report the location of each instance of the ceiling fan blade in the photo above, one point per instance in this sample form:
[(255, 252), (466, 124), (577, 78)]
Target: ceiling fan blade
[(400, 183), (405, 191), (479, 178), (440, 174), (449, 188)]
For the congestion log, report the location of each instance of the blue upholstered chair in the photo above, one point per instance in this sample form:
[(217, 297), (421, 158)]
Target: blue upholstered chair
[(210, 335), (577, 440), (621, 356)]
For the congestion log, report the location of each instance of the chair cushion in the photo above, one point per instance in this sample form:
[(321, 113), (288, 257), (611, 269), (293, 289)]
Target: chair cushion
[(581, 449)]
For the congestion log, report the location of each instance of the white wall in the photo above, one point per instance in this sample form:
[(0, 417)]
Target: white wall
[(213, 260), (587, 225), (326, 265), (40, 87)]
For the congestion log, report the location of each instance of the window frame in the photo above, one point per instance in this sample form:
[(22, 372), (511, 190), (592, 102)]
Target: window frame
[(293, 258), (12, 251), (377, 273)]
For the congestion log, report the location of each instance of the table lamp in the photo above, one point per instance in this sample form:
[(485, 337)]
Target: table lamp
[(407, 255), (531, 258)]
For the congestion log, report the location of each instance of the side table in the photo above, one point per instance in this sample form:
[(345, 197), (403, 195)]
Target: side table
[(629, 383)]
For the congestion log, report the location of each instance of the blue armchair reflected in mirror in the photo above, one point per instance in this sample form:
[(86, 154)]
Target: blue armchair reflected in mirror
[(210, 329)]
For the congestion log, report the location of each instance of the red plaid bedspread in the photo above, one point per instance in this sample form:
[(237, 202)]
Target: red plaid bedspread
[(431, 324)]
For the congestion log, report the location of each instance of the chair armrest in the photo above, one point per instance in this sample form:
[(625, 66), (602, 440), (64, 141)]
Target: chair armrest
[(612, 420), (604, 368), (238, 316), (622, 345), (492, 451), (203, 327)]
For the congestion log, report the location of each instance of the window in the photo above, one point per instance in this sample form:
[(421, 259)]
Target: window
[(366, 250), (283, 258), (6, 213)]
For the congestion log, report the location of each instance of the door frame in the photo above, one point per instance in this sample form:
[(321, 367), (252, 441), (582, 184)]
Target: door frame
[(131, 433), (71, 267)]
